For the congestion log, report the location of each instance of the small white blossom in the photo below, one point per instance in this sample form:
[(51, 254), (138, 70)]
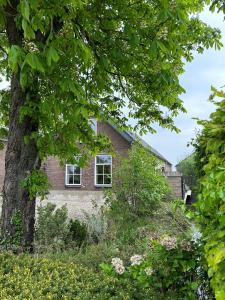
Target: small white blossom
[(163, 33), (118, 265), (136, 260), (148, 271), (169, 242)]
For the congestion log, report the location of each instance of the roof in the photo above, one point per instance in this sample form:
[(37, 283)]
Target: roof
[(131, 137)]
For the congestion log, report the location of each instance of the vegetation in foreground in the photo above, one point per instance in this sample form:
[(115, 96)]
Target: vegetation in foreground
[(134, 248)]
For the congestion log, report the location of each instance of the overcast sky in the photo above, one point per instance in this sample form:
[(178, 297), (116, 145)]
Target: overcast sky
[(205, 70)]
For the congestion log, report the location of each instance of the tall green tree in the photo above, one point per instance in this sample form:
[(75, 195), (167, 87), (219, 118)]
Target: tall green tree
[(69, 60)]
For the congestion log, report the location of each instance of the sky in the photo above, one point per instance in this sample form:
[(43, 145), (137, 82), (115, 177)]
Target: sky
[(205, 70)]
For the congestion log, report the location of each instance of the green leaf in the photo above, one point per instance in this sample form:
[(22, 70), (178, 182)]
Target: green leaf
[(34, 62), (28, 31), (15, 57), (25, 9), (23, 78), (52, 55)]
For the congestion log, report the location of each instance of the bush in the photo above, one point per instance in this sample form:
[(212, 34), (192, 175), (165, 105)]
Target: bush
[(96, 225), (77, 232), (210, 214), (138, 182), (171, 270), (52, 227), (25, 277)]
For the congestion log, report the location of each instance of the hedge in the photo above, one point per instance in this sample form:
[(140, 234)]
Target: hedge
[(26, 277)]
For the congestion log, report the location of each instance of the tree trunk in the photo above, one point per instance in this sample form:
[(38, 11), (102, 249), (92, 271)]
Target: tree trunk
[(18, 211)]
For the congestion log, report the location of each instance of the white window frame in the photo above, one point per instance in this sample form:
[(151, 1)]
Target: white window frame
[(102, 184), (66, 176)]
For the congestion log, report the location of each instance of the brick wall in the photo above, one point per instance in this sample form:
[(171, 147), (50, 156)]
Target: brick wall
[(175, 182), (56, 173)]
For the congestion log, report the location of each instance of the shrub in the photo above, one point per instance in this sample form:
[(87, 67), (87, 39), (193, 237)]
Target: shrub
[(96, 226), (52, 227), (77, 232), (25, 277), (138, 182), (171, 270), (210, 214)]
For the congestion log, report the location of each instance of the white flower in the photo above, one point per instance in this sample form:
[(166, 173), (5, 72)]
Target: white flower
[(148, 271), (118, 265), (169, 242), (163, 33), (136, 260), (120, 269)]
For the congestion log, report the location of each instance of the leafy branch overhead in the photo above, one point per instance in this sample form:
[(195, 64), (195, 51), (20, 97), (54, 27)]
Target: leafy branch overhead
[(83, 53)]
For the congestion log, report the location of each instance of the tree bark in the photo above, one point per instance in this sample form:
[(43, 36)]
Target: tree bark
[(20, 158)]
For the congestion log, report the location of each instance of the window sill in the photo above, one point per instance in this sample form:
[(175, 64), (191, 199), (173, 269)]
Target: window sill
[(103, 185), (73, 185)]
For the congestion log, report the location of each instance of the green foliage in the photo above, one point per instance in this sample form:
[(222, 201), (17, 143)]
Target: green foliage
[(13, 242), (26, 277), (171, 270), (138, 182), (16, 221), (210, 207), (51, 228), (187, 167), (96, 225), (36, 184), (78, 232), (80, 53)]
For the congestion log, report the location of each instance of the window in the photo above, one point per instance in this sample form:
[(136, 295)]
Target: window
[(103, 170), (73, 175)]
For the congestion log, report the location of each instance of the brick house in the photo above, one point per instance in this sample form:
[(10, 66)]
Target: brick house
[(78, 188)]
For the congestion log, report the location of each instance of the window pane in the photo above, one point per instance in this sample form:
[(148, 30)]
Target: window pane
[(76, 170), (107, 169), (107, 179), (76, 179), (99, 169), (70, 169), (70, 179), (103, 159), (99, 179)]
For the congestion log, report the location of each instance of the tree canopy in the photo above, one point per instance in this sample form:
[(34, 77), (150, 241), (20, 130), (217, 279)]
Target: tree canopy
[(93, 58)]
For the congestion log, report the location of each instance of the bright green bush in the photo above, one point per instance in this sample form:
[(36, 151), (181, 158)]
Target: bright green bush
[(138, 182), (24, 277), (210, 145)]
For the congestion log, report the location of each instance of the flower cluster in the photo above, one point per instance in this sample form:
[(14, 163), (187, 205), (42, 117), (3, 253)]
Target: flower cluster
[(118, 265), (169, 242), (163, 33), (136, 260), (148, 271)]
